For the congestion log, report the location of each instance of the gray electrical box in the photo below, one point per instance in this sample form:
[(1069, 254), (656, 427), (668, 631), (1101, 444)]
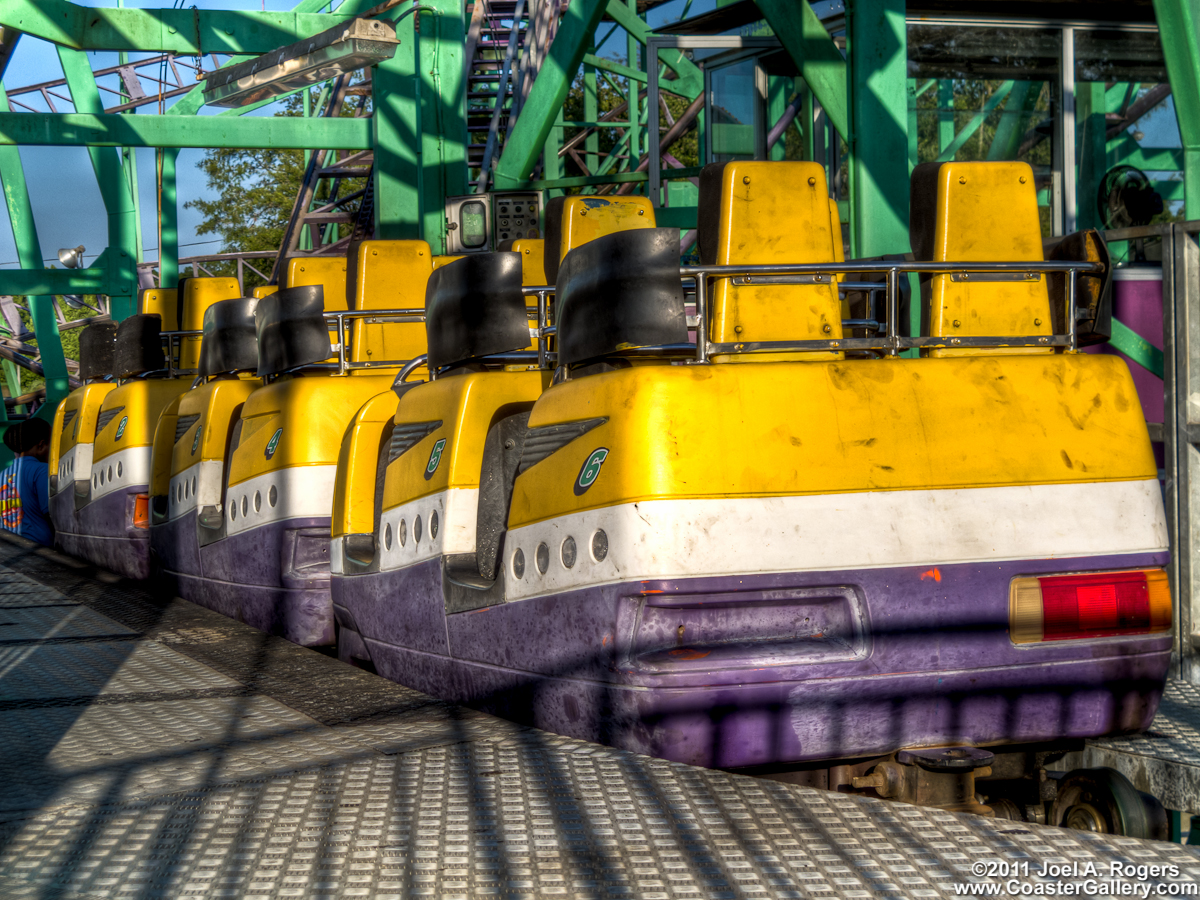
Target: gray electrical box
[(479, 223)]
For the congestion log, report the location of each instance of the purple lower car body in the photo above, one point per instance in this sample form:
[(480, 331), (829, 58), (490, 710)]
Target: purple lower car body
[(755, 670), (261, 577), (102, 532)]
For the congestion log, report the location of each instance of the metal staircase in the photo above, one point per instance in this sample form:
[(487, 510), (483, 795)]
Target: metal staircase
[(335, 168), (506, 45)]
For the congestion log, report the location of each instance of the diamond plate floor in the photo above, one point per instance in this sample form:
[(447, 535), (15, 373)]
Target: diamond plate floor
[(152, 749)]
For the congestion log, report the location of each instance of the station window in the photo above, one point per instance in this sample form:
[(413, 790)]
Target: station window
[(473, 220)]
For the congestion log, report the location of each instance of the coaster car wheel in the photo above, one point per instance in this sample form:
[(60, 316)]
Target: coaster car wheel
[(1104, 801)]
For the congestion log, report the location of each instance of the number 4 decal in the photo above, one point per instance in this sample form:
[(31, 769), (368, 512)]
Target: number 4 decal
[(591, 470), (435, 457)]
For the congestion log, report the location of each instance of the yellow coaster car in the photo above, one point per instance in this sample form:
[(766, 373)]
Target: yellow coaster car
[(786, 545)]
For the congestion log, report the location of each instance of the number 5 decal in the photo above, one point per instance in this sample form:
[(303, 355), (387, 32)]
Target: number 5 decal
[(591, 470), (435, 457)]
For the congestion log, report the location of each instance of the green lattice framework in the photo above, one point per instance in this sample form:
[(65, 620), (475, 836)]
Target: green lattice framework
[(418, 130)]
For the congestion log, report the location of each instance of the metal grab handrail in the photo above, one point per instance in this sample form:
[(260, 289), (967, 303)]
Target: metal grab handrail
[(893, 343), (891, 270), (374, 317)]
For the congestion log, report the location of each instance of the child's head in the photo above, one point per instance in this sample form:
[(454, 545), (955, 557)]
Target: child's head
[(35, 438)]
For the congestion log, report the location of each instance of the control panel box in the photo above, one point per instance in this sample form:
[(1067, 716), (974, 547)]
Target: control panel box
[(479, 223)]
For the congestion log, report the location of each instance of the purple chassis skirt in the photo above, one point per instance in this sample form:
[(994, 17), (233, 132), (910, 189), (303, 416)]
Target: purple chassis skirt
[(102, 532), (932, 665), (246, 577)]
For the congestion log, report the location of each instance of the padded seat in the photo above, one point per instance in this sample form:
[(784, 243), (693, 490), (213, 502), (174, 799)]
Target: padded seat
[(763, 213), (979, 212)]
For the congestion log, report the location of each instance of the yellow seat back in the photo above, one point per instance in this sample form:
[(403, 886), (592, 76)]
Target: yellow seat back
[(264, 290), (439, 261), (198, 295), (980, 212), (573, 221), (390, 275), (327, 271), (763, 213), (161, 302)]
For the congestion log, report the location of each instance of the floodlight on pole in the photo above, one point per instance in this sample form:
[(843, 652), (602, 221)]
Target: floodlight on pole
[(71, 257), (344, 48)]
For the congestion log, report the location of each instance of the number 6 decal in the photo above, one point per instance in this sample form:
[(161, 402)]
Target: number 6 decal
[(591, 470)]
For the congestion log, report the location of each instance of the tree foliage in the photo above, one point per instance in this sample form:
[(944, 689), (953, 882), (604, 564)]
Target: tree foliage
[(256, 191)]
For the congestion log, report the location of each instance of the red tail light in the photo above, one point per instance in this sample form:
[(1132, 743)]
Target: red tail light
[(141, 511), (1096, 604)]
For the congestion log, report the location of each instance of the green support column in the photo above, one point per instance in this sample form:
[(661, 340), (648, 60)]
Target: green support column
[(1090, 128), (1017, 110), (945, 114), (168, 248), (443, 116), (396, 138), (779, 94), (591, 113), (811, 48), (806, 121), (878, 50), (632, 50), (1179, 29), (115, 190), (913, 143), (29, 252)]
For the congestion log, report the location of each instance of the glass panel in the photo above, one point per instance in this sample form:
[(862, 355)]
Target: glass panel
[(734, 111), (1125, 116), (986, 93), (473, 216)]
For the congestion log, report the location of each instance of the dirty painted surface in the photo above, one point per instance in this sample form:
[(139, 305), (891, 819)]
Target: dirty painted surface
[(786, 667), (104, 532), (248, 577)]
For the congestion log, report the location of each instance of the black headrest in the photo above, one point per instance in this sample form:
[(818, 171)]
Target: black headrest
[(291, 329), (708, 212), (230, 342), (138, 347), (553, 246), (922, 209), (96, 346), (474, 307), (618, 292)]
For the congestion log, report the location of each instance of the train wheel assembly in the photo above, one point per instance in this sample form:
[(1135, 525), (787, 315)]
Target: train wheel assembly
[(1104, 801)]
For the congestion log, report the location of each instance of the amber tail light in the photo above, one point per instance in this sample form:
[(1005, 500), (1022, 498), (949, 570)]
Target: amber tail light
[(1091, 605), (141, 511)]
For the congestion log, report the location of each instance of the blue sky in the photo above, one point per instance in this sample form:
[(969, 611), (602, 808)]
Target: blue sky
[(62, 187)]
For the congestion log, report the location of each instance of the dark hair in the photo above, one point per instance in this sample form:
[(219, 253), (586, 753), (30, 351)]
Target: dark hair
[(33, 432), (12, 437)]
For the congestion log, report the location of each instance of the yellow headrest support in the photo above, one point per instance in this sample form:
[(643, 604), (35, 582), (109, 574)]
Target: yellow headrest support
[(572, 221), (982, 212), (162, 302), (198, 295), (390, 275), (439, 261), (327, 271), (533, 268), (758, 213)]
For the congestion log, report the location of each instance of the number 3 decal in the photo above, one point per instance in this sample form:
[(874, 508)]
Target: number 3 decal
[(591, 470)]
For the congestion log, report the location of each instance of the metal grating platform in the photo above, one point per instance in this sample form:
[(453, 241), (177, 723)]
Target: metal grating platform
[(154, 749)]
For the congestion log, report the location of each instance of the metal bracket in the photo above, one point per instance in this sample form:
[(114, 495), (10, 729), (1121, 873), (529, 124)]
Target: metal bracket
[(996, 276)]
